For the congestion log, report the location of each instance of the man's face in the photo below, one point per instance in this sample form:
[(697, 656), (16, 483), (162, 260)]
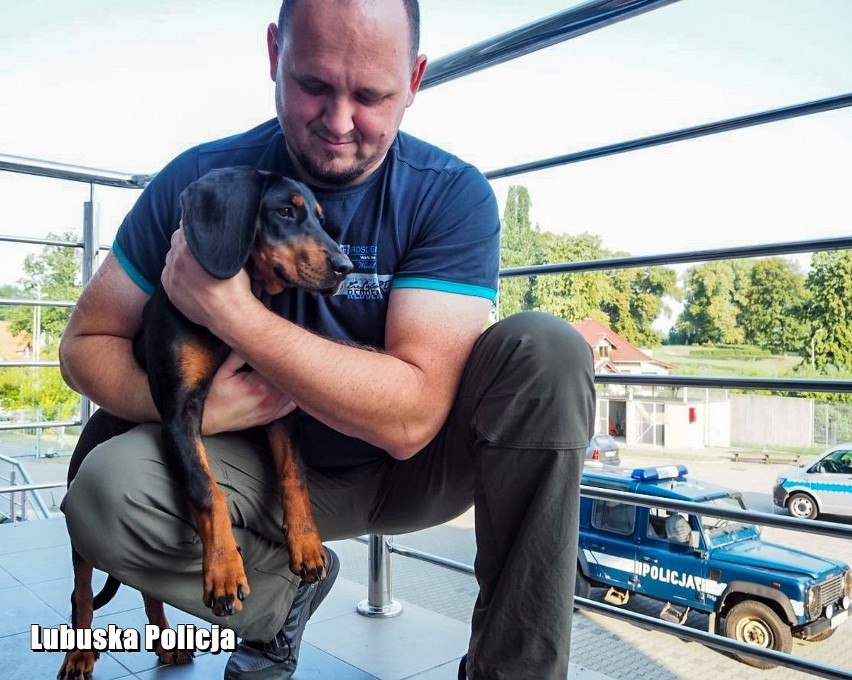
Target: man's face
[(343, 79)]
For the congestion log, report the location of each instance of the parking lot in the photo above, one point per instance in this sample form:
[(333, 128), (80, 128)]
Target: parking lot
[(622, 650)]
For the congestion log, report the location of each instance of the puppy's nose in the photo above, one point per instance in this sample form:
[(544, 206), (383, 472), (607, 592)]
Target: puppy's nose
[(340, 264)]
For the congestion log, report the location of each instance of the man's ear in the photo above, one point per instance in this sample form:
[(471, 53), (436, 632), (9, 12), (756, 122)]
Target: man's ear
[(272, 49), (417, 74)]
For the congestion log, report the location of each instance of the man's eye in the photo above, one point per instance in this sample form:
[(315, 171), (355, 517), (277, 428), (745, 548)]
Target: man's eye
[(286, 211), (313, 88), (369, 99)]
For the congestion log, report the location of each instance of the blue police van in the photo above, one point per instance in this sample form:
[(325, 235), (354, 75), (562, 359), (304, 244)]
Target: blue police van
[(753, 591)]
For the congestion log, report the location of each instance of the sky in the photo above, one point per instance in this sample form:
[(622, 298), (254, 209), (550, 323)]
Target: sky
[(125, 86)]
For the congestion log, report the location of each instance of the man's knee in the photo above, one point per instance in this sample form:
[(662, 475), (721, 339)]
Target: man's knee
[(546, 339), (540, 383)]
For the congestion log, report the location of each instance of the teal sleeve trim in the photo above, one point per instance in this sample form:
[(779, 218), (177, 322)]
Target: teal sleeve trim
[(130, 270), (446, 287)]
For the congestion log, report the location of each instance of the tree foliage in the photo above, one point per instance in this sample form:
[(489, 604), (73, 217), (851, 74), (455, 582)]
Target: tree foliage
[(628, 301), (829, 309), (712, 305), (518, 247), (772, 315), (55, 274)]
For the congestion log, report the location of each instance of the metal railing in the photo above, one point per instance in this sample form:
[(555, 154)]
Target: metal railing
[(23, 496), (575, 21)]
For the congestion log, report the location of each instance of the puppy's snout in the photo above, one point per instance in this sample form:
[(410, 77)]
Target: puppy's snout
[(340, 264)]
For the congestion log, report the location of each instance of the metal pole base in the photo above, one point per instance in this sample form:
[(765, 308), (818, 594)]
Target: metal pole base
[(379, 603), (387, 611)]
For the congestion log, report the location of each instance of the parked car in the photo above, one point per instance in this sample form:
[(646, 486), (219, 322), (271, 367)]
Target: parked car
[(821, 485), (603, 448), (753, 591)]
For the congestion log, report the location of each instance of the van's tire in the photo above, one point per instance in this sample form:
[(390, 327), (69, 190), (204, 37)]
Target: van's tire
[(755, 623), (823, 636), (803, 506)]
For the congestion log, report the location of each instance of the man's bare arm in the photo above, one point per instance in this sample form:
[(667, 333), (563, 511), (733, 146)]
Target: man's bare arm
[(96, 352)]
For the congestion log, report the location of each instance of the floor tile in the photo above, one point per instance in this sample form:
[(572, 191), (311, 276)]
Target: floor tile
[(21, 609), (21, 663), (392, 649)]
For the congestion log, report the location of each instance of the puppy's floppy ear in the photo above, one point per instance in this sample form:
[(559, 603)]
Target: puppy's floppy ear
[(219, 215)]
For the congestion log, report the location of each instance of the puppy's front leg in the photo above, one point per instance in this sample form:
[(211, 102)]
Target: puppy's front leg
[(307, 556)]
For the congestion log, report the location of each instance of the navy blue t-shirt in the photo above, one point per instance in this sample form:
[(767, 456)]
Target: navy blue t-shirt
[(424, 219)]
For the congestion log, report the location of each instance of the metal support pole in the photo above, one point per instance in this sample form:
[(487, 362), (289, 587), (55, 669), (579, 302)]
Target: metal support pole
[(379, 602), (12, 480)]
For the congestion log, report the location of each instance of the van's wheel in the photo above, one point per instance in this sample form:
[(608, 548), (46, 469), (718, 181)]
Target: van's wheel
[(823, 636), (756, 624), (582, 587), (801, 505)]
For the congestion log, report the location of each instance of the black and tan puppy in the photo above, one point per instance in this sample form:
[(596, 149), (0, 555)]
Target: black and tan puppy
[(233, 218)]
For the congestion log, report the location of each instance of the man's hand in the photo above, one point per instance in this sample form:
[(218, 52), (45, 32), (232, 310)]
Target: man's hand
[(201, 298), (240, 399)]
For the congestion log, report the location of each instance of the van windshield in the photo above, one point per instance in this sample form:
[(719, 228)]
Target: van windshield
[(720, 529)]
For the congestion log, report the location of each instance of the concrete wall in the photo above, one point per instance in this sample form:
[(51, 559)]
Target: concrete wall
[(771, 421)]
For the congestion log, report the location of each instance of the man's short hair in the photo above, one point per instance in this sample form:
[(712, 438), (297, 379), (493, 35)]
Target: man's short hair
[(412, 10)]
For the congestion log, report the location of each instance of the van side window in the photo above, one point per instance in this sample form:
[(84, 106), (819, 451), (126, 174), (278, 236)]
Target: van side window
[(838, 462), (613, 516), (668, 525)]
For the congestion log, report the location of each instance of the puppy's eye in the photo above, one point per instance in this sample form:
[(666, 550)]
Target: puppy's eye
[(286, 211)]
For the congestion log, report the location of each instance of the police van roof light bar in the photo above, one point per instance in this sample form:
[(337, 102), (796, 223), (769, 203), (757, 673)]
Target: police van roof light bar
[(656, 474)]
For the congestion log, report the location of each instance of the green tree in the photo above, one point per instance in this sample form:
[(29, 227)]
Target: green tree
[(637, 300), (519, 246), (55, 274), (573, 296), (775, 299), (829, 310), (714, 299), (9, 292)]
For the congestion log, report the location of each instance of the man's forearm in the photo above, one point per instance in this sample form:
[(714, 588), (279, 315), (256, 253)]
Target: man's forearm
[(394, 402), (103, 369)]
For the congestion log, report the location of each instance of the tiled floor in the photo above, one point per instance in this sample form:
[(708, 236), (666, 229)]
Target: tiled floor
[(339, 643)]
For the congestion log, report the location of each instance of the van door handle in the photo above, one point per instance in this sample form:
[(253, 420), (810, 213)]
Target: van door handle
[(649, 560)]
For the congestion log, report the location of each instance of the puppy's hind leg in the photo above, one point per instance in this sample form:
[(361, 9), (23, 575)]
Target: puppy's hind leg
[(80, 664)]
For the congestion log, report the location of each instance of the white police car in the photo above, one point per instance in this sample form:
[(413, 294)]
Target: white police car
[(822, 485), (753, 591)]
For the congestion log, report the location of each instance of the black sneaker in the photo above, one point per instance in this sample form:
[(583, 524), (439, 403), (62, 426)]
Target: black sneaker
[(277, 659)]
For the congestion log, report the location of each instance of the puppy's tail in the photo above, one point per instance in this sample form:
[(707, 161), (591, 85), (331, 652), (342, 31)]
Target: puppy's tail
[(107, 592)]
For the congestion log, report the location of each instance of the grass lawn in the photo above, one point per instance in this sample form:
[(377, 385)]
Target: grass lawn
[(691, 360)]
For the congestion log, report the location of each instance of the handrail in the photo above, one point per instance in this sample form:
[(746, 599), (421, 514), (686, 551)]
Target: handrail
[(16, 465), (707, 255), (727, 382), (727, 125), (72, 173), (31, 487), (537, 35), (43, 424)]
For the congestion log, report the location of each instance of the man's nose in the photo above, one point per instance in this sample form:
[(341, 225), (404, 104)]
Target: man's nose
[(338, 116)]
